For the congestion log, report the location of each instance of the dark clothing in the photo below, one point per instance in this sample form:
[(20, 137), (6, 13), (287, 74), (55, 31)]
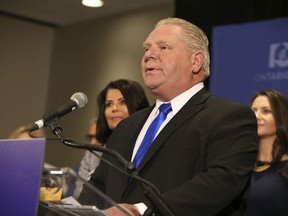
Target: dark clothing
[(200, 161), (268, 195)]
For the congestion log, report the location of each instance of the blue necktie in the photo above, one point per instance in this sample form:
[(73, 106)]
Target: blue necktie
[(151, 133)]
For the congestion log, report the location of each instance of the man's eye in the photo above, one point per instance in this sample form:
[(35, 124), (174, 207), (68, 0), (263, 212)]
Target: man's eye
[(165, 47), (146, 48)]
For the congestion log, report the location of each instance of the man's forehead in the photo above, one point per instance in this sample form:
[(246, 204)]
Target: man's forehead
[(163, 34)]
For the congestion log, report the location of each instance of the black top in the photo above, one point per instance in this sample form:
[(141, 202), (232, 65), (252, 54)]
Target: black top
[(268, 194)]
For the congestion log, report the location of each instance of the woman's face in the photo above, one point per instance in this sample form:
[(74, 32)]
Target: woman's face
[(115, 108), (265, 119)]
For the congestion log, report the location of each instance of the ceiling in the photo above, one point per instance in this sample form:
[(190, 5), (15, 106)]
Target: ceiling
[(66, 12)]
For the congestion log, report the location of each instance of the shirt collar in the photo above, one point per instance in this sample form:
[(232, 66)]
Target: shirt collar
[(178, 102)]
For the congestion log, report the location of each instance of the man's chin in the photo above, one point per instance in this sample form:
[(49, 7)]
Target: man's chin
[(152, 88), (150, 84)]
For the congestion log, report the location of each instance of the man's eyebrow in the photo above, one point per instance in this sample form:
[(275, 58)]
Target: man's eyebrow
[(145, 44)]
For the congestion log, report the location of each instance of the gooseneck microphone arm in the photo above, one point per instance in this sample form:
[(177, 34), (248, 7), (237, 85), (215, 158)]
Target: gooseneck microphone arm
[(127, 165)]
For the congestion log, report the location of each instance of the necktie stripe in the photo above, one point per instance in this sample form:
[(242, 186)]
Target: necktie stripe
[(151, 133)]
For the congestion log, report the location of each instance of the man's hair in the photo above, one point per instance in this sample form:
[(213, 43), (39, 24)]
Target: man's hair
[(193, 36)]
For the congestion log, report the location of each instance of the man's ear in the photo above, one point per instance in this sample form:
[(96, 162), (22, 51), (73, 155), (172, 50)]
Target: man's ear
[(197, 61)]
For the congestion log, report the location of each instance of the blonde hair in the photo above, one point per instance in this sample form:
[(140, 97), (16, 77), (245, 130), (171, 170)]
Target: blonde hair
[(193, 36)]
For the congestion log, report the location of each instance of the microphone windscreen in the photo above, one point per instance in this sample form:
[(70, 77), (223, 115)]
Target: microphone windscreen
[(80, 99)]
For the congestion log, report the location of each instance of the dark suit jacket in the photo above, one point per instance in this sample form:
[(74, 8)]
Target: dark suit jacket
[(201, 160)]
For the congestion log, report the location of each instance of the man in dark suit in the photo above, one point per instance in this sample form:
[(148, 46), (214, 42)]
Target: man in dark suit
[(204, 152)]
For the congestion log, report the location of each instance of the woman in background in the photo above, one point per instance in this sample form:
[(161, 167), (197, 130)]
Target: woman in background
[(116, 101), (88, 162), (268, 193)]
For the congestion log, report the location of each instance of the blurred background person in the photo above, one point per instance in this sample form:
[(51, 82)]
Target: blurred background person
[(89, 161), (268, 195), (22, 132), (116, 101)]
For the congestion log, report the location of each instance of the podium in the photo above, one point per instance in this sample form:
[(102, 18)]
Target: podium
[(21, 177)]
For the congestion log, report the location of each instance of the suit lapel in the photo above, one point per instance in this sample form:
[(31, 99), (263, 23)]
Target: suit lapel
[(192, 107)]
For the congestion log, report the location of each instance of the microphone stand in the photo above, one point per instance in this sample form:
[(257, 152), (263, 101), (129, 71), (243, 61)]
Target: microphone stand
[(55, 127), (149, 190)]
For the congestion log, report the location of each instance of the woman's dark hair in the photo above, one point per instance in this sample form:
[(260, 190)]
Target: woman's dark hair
[(134, 97), (279, 106)]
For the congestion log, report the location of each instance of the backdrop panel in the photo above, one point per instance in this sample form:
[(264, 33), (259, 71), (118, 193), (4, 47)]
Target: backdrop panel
[(247, 58)]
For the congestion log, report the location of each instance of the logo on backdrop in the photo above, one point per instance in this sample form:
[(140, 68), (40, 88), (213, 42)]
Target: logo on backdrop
[(278, 55), (278, 64)]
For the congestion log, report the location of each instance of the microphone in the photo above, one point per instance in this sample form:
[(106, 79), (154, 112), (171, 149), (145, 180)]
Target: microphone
[(78, 100)]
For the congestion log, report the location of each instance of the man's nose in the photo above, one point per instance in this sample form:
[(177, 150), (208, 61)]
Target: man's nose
[(150, 53)]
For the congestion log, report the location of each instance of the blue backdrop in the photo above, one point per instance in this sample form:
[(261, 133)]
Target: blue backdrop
[(247, 58)]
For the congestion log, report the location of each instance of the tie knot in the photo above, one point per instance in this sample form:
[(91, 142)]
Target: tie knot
[(165, 108)]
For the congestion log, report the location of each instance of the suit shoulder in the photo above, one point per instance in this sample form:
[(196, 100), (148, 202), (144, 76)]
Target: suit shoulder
[(226, 106), (217, 100)]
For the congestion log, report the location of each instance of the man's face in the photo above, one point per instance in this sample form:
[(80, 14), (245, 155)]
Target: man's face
[(167, 63)]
